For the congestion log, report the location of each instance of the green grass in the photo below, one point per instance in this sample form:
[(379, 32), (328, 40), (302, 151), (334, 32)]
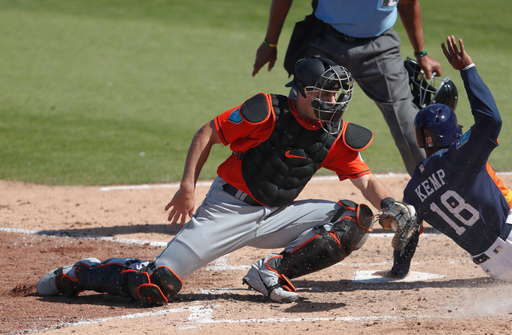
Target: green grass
[(111, 92)]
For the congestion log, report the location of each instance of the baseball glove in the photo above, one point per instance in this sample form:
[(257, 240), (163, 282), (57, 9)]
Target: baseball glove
[(402, 218)]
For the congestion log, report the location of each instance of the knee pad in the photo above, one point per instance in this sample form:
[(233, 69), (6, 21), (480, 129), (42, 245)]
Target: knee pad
[(351, 223)]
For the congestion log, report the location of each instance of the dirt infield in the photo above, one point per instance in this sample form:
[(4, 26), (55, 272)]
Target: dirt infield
[(43, 227)]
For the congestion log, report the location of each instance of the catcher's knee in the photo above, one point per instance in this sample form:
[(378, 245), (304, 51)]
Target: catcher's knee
[(155, 289), (351, 223)]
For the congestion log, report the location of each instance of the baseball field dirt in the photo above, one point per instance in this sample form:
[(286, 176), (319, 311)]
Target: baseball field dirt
[(44, 227)]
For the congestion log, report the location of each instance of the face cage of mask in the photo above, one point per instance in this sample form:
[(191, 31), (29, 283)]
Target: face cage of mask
[(427, 88), (329, 113)]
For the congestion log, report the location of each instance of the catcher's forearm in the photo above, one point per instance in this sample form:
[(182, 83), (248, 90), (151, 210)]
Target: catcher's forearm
[(372, 189)]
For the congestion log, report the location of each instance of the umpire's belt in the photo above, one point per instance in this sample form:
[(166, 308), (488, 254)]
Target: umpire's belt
[(329, 28), (503, 235), (240, 195)]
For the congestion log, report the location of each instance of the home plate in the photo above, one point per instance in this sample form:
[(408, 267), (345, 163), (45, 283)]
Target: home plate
[(367, 277)]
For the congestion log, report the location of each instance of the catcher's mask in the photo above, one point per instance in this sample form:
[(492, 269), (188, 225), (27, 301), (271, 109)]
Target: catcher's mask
[(436, 126), (318, 78), (432, 91)]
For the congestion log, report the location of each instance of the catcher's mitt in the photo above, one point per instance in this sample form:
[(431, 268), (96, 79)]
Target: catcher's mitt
[(402, 218)]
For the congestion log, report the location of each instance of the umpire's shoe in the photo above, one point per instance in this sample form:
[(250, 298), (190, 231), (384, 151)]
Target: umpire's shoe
[(61, 280), (262, 278)]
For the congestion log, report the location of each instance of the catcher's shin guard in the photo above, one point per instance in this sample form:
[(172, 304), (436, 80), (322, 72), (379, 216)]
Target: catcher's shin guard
[(99, 277), (125, 277), (351, 223)]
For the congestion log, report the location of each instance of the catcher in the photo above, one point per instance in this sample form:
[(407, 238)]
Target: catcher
[(278, 144)]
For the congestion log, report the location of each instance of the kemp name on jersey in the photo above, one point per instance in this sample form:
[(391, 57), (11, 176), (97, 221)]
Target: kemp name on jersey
[(430, 185)]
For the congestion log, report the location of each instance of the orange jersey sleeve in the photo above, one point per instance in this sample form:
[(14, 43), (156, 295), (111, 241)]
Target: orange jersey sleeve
[(345, 161), (240, 134), (504, 189)]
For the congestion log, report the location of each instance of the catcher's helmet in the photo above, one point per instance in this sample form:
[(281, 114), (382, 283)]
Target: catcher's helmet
[(425, 92), (436, 126), (317, 74)]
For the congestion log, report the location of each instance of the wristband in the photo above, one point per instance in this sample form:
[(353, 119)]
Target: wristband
[(269, 44), (419, 54), (469, 67), (387, 202)]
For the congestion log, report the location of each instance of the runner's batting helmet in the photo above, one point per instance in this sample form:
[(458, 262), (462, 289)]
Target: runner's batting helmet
[(436, 126), (314, 75), (425, 92)]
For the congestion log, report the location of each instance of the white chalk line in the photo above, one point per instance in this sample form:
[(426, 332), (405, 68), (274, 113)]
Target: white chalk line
[(209, 182), (202, 315), (219, 264), (48, 232), (58, 233)]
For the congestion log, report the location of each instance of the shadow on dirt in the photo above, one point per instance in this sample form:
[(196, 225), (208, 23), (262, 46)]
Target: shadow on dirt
[(304, 305), (96, 299), (349, 285), (166, 229), (183, 300)]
